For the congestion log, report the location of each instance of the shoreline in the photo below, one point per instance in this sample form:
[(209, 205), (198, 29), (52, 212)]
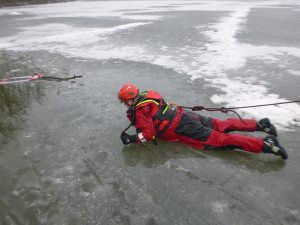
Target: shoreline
[(9, 3)]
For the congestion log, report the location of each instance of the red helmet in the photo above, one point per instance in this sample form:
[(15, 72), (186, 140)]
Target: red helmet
[(128, 91)]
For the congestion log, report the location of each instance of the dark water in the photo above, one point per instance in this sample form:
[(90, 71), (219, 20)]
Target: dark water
[(62, 162)]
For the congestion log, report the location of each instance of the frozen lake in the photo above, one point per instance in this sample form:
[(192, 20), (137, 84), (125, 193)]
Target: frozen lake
[(61, 158)]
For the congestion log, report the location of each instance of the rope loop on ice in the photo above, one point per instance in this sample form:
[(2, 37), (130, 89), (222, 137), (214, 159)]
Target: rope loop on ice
[(231, 109)]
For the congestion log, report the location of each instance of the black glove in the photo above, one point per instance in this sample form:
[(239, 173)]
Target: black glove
[(127, 139)]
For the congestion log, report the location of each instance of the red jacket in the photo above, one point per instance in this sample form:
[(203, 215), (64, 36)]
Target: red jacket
[(153, 117)]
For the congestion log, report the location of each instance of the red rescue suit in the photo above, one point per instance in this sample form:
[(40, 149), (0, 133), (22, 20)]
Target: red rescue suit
[(154, 118)]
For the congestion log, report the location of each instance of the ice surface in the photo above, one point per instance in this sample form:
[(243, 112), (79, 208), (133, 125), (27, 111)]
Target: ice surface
[(222, 52)]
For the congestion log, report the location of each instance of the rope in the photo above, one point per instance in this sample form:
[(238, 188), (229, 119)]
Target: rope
[(61, 78), (231, 109), (34, 77)]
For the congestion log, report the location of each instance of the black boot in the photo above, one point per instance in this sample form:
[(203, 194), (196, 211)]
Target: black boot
[(271, 145), (266, 126)]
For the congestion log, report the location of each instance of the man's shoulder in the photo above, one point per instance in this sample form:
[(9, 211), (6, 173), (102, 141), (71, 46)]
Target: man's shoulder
[(153, 95)]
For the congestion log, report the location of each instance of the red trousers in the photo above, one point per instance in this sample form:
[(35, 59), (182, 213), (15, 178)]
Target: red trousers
[(203, 132)]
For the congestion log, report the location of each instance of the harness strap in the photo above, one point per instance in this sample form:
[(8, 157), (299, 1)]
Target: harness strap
[(150, 100), (169, 123), (164, 113)]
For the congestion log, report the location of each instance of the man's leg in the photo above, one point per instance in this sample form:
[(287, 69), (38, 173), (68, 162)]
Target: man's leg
[(225, 126), (223, 140), (193, 130), (234, 124)]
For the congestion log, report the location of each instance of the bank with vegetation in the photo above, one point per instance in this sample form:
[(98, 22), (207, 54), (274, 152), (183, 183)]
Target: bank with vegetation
[(4, 3)]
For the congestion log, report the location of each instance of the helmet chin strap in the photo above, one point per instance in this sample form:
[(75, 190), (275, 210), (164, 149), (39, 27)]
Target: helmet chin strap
[(128, 104), (132, 105)]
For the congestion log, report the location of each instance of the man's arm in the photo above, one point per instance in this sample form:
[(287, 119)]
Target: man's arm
[(145, 124)]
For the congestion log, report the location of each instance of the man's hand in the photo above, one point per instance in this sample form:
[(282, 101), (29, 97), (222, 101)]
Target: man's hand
[(127, 139)]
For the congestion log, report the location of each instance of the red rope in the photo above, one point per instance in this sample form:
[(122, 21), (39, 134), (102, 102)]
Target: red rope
[(231, 109)]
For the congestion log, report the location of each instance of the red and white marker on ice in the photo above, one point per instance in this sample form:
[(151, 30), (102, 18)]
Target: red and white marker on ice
[(20, 79)]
